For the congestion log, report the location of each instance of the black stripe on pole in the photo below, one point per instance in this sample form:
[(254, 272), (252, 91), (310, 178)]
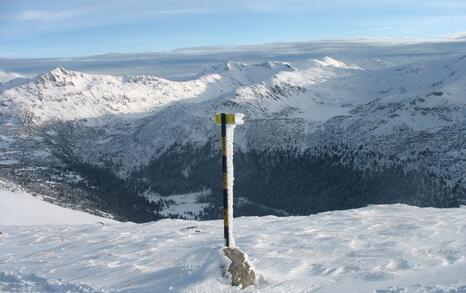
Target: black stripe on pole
[(224, 159), (225, 179)]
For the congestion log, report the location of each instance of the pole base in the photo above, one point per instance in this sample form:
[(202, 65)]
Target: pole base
[(240, 270)]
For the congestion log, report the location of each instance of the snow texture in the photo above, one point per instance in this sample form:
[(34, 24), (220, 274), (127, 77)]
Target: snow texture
[(386, 248)]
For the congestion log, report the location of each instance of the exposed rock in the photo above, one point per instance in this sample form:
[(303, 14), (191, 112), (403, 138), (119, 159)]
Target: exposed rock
[(240, 270)]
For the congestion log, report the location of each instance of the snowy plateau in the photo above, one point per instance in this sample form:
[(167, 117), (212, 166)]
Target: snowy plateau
[(384, 248)]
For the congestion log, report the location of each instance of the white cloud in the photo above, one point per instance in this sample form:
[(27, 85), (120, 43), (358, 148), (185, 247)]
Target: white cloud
[(46, 15), (6, 76), (459, 36)]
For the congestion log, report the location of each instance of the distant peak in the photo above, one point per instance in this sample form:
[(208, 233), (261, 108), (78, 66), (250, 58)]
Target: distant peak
[(229, 66), (59, 70), (277, 65), (58, 74), (330, 62), (233, 66)]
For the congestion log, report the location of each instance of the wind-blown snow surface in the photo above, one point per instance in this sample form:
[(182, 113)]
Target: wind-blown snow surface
[(25, 209), (387, 248)]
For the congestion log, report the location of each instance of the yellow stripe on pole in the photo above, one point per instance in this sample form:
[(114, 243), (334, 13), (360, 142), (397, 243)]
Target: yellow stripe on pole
[(225, 217), (225, 181), (229, 117), (224, 146)]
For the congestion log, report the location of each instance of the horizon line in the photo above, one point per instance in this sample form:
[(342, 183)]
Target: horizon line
[(457, 37)]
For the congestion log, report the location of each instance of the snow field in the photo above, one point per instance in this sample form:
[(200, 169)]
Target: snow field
[(387, 248), (25, 209)]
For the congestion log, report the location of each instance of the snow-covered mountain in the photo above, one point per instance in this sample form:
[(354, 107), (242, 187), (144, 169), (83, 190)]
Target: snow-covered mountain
[(68, 95), (156, 136), (385, 248)]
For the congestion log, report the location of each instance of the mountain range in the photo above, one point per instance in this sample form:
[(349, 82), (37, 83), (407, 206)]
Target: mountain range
[(320, 135)]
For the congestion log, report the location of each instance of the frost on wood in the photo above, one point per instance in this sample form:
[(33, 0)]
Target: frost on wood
[(230, 132), (239, 269), (230, 179)]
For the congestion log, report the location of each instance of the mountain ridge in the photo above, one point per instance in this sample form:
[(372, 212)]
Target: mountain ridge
[(408, 117)]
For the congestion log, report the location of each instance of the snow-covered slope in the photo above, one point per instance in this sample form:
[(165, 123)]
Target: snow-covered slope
[(19, 209), (306, 108), (67, 95), (387, 248), (13, 83), (408, 116)]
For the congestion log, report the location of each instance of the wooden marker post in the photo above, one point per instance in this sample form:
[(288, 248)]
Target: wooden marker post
[(228, 122)]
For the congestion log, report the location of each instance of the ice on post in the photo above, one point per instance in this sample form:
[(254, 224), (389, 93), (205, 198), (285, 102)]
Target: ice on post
[(228, 122), (240, 270), (230, 170)]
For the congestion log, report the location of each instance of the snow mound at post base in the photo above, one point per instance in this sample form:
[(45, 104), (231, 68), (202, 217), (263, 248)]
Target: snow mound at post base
[(386, 248), (239, 271)]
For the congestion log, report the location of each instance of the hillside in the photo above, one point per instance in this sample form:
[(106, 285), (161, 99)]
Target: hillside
[(320, 134), (386, 248), (19, 209)]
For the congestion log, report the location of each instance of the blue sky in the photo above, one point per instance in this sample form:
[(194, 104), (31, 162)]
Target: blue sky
[(32, 28)]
